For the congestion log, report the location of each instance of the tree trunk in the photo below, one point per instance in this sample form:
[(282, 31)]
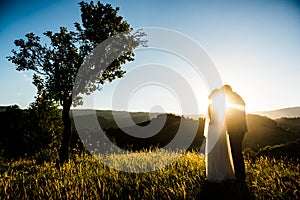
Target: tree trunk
[(64, 149)]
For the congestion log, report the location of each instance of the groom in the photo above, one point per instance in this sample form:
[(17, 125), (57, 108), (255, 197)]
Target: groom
[(236, 127)]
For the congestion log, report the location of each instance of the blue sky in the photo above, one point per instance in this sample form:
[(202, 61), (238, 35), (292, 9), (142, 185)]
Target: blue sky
[(255, 45)]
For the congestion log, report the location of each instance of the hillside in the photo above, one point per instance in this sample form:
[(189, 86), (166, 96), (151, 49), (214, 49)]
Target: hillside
[(262, 131), (290, 150), (106, 117), (164, 136), (281, 113), (291, 124)]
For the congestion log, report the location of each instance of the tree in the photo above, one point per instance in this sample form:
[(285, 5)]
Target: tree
[(56, 65)]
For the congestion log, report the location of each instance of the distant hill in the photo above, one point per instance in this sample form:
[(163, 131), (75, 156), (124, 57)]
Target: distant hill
[(164, 136), (280, 113), (160, 139), (106, 117), (290, 124), (262, 131)]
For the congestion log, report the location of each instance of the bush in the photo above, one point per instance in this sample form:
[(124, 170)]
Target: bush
[(31, 130)]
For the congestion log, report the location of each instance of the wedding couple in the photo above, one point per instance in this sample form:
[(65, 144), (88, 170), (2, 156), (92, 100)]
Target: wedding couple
[(224, 130)]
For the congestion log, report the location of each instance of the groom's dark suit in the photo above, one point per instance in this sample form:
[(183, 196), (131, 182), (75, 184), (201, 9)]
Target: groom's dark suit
[(237, 127)]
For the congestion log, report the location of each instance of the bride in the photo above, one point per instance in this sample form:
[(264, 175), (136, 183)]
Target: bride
[(219, 164)]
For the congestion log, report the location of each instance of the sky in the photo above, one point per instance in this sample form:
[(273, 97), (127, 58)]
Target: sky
[(254, 46)]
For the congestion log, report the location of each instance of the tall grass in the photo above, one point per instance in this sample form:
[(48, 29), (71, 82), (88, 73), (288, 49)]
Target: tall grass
[(270, 178), (86, 178)]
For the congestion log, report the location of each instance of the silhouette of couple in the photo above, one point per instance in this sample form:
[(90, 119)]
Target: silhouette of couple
[(224, 130)]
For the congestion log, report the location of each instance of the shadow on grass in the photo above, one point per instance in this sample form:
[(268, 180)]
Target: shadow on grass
[(226, 190)]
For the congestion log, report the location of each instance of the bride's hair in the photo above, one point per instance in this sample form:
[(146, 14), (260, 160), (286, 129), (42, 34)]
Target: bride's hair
[(214, 92)]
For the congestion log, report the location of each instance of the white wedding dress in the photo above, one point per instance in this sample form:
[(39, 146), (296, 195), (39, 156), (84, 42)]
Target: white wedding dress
[(219, 164)]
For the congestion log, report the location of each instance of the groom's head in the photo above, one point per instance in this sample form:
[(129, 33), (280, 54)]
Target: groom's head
[(226, 88)]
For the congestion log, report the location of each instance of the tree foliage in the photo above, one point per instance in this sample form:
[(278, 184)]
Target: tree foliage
[(56, 63)]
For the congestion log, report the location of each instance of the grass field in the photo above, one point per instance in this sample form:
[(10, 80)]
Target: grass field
[(86, 178)]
